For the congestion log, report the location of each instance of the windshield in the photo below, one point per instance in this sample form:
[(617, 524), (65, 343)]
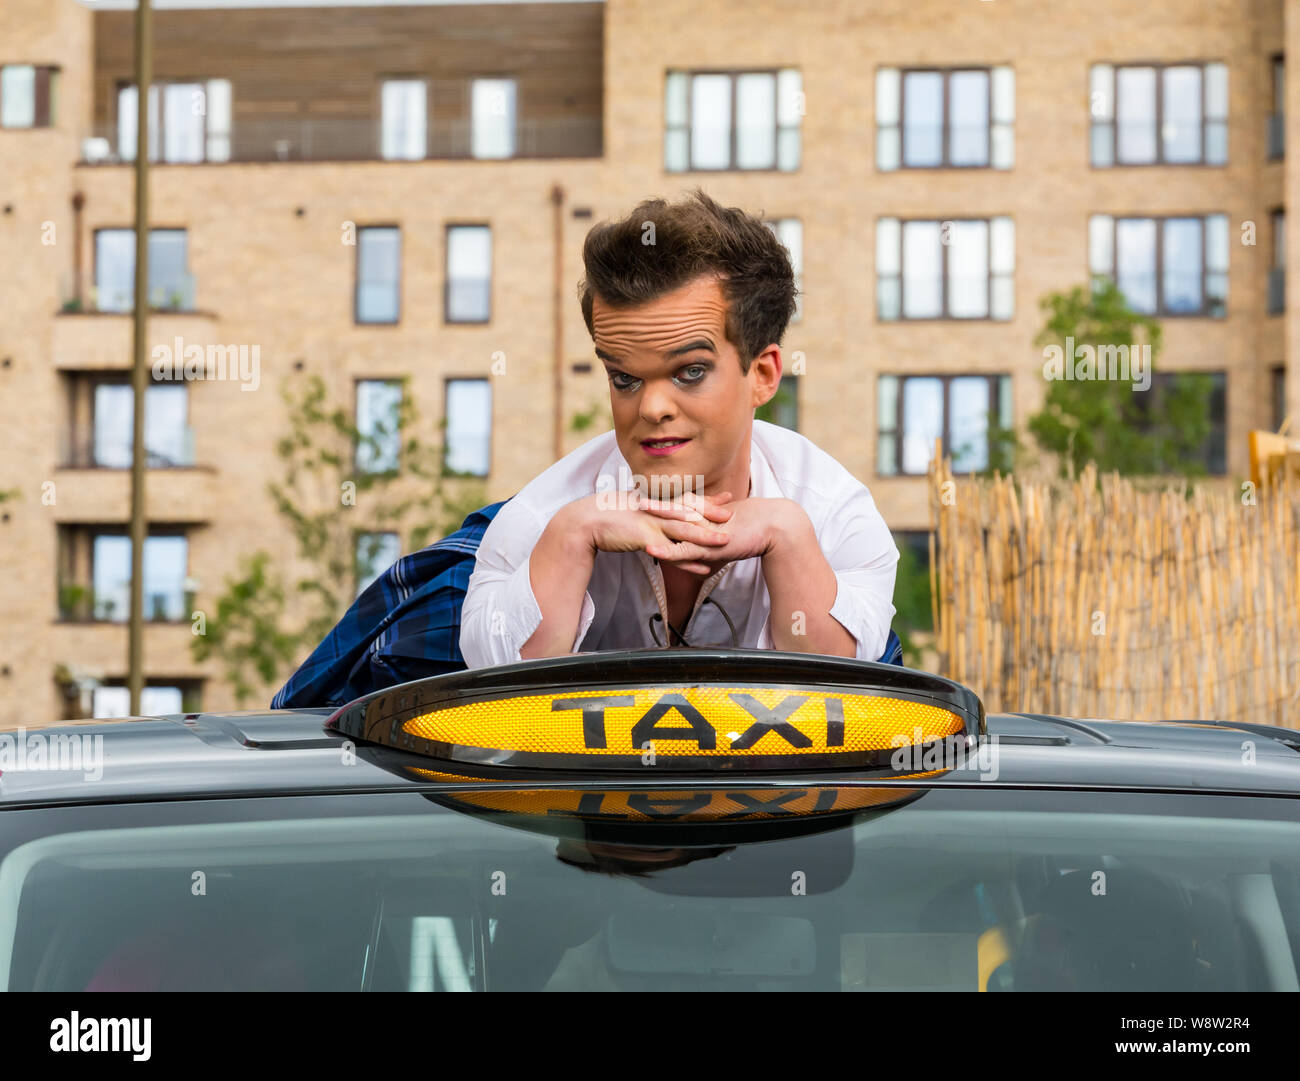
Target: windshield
[(978, 888)]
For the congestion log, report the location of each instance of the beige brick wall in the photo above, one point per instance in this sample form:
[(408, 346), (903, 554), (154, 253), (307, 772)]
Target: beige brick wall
[(270, 277)]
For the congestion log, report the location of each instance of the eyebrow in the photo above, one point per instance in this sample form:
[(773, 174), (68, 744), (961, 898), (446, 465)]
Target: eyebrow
[(681, 350)]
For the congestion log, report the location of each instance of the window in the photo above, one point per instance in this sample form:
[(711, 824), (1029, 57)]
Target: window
[(1159, 416), (732, 120), (1164, 266), (191, 120), (379, 274), (961, 269), (165, 563), (1277, 118), (114, 700), (1279, 396), (376, 552), (783, 408), (492, 125), (27, 95), (171, 285), (469, 274), (469, 427), (379, 403), (954, 119), (1146, 114), (1277, 269), (404, 127), (913, 411), (168, 440), (789, 231)]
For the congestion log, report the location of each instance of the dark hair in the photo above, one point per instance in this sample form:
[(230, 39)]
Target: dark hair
[(692, 238)]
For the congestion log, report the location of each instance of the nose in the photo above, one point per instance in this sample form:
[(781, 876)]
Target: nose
[(657, 405)]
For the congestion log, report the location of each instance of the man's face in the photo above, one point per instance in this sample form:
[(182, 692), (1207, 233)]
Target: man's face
[(674, 374)]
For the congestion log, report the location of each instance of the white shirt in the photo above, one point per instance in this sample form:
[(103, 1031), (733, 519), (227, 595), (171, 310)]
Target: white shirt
[(626, 589)]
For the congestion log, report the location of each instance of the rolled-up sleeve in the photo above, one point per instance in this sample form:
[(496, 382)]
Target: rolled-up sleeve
[(862, 553), (500, 612)]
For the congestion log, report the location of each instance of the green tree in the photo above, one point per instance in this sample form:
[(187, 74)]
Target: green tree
[(266, 617), (1107, 421)]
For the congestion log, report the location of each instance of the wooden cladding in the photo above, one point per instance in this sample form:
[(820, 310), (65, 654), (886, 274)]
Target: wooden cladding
[(306, 81)]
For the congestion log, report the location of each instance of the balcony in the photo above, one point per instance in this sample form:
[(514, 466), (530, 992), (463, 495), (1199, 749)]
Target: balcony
[(93, 340), (334, 139), (177, 494), (1276, 136), (1276, 291)]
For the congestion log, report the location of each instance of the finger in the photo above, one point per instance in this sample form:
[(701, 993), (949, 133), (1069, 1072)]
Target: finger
[(664, 508), (682, 553), (690, 531)]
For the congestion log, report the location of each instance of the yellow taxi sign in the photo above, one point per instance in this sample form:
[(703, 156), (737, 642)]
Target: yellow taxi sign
[(792, 711)]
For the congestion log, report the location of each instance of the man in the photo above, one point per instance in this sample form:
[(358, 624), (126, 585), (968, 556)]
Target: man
[(765, 540)]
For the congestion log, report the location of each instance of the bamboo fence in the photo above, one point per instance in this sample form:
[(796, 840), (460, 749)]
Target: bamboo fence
[(1099, 597)]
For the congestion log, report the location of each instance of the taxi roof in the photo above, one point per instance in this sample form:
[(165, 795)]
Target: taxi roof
[(290, 752)]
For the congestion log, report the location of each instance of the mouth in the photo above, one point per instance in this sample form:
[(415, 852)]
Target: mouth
[(659, 447)]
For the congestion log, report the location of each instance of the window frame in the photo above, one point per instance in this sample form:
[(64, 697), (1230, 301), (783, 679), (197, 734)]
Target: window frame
[(400, 383), (446, 426), (995, 380), (357, 536), (130, 229), (945, 124), (944, 315), (733, 75), (89, 531), (1217, 428), (92, 381), (45, 87), (447, 277), (209, 137), (356, 275), (1161, 310), (412, 77), (1159, 66)]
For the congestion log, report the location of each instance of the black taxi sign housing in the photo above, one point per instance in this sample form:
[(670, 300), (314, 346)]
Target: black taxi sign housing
[(691, 709)]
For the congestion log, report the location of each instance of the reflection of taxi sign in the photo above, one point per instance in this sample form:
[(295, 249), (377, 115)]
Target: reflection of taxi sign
[(699, 710)]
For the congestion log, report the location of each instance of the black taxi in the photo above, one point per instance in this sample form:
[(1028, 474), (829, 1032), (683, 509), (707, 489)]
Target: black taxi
[(657, 820)]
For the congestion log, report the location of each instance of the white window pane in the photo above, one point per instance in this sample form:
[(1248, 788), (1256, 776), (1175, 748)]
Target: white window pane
[(968, 118), (755, 121), (219, 120), (17, 96), (112, 702), (379, 271), (1101, 143), (1002, 246), (922, 421), (493, 111), (469, 426), (968, 423), (968, 269), (166, 433), (114, 270), (126, 122), (887, 96), (1135, 258), (1101, 233), (184, 108), (789, 97), (111, 577), (165, 568), (1002, 299), (789, 147), (1004, 95), (1216, 242), (113, 425), (676, 150), (711, 122), (887, 246), (469, 273), (790, 232), (922, 118), (1216, 91), (889, 143), (1183, 265), (922, 285), (1180, 127), (403, 127), (378, 417), (1135, 114), (159, 701), (1101, 87), (675, 99), (1002, 153), (887, 402)]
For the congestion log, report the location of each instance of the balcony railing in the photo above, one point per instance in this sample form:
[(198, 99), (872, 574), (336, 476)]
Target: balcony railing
[(360, 139), (85, 449), (1276, 136), (1276, 291), (177, 294)]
